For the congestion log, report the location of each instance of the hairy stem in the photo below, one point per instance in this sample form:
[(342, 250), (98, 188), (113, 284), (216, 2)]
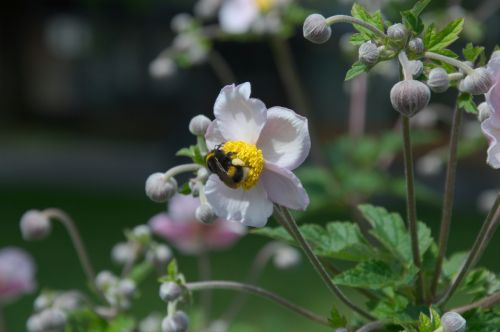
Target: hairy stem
[(405, 64), (357, 105), (181, 169), (488, 227), (449, 190), (221, 68), (411, 205), (72, 230), (204, 270), (353, 20), (284, 217), (220, 284), (372, 326), (484, 303), (454, 62)]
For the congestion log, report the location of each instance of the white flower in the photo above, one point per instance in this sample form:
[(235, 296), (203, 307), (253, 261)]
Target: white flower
[(271, 143), (491, 126)]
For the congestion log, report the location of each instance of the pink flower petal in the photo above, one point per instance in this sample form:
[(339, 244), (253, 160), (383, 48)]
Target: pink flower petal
[(16, 274), (213, 136), (250, 207), (285, 138), (239, 117), (492, 131), (284, 188), (222, 234)]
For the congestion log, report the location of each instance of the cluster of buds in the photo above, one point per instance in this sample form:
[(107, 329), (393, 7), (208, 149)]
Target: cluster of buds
[(118, 292), (176, 320), (52, 309)]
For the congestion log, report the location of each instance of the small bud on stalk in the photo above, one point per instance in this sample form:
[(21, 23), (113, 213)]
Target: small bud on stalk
[(397, 32), (160, 255), (35, 225), (410, 96), (453, 322), (368, 53), (141, 233), (170, 291), (160, 190), (416, 67), (479, 82), (205, 214), (162, 67), (438, 80), (316, 29), (416, 45), (178, 322), (105, 279), (181, 22), (485, 111), (199, 124)]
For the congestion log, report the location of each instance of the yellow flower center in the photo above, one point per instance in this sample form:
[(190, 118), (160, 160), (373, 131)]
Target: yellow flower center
[(264, 5), (247, 156)]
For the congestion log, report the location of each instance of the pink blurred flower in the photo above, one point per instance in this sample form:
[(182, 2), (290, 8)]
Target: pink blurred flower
[(491, 126), (180, 227), (16, 274)]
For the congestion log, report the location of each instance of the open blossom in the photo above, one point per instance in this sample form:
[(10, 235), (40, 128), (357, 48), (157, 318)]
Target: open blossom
[(491, 126), (16, 274), (270, 143), (181, 228)]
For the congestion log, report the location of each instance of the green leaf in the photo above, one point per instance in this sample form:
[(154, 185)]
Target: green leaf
[(453, 264), (411, 18), (471, 52), (375, 275), (336, 319), (141, 271), (192, 152), (424, 323), (466, 102), (120, 324), (435, 41), (419, 7), (480, 282), (85, 320), (356, 69), (358, 38), (483, 320), (374, 19), (390, 230), (340, 240)]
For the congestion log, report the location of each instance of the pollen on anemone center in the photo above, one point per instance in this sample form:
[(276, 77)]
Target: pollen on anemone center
[(252, 158), (264, 5)]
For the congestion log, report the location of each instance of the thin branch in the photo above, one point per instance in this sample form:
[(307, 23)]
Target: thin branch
[(372, 326), (357, 105), (221, 284), (205, 272), (353, 20), (449, 190), (485, 303)]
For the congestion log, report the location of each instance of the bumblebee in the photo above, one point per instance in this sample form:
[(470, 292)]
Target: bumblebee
[(231, 171)]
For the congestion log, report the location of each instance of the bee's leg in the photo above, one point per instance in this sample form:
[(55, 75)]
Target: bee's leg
[(237, 162)]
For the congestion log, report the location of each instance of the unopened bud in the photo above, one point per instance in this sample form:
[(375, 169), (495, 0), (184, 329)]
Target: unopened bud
[(141, 233), (409, 96), (43, 301), (286, 257), (170, 291), (205, 214), (416, 45), (397, 32), (126, 287), (178, 322), (181, 22), (416, 67), (479, 82), (123, 253), (199, 124), (438, 80), (35, 324), (105, 280), (316, 29), (484, 111), (70, 300), (162, 67), (160, 190), (35, 225), (453, 322), (151, 323), (368, 53), (53, 319), (160, 255)]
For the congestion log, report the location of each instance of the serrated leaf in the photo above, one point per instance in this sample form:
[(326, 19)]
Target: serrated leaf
[(357, 68), (358, 38), (390, 230), (424, 323), (121, 324), (336, 319), (453, 264), (411, 18), (374, 19), (483, 320), (192, 152), (435, 41), (471, 52), (419, 7), (466, 102)]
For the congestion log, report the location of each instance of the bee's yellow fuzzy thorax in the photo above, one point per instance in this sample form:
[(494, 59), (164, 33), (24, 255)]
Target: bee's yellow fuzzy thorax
[(252, 158), (264, 5)]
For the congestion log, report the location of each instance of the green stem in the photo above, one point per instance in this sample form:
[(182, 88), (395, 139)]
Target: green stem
[(485, 303), (372, 326), (411, 205), (284, 217), (2, 320), (449, 190), (353, 20), (221, 68), (454, 62), (181, 169), (204, 270), (220, 284), (486, 232)]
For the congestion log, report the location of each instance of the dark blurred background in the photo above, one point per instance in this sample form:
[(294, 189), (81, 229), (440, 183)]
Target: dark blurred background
[(82, 124)]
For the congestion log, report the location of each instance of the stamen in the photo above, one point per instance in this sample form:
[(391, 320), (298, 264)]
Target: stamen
[(264, 5), (252, 158)]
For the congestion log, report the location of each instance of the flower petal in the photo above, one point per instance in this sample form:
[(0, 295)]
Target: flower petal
[(239, 117), (183, 207), (249, 207), (284, 188), (237, 16), (184, 235), (493, 98), (222, 234), (285, 140), (213, 136), (492, 131)]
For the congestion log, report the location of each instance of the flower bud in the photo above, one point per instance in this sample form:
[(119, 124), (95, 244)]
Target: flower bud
[(43, 301), (409, 96), (368, 53), (416, 45), (35, 225), (286, 257), (181, 22), (126, 287), (53, 319), (205, 214), (141, 233), (429, 165), (162, 67), (485, 111), (70, 300), (178, 322), (438, 80), (170, 291), (397, 32), (151, 323), (123, 253), (453, 322), (316, 29), (35, 324), (159, 190), (416, 67), (479, 82), (160, 255), (202, 174), (199, 124), (105, 280)]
